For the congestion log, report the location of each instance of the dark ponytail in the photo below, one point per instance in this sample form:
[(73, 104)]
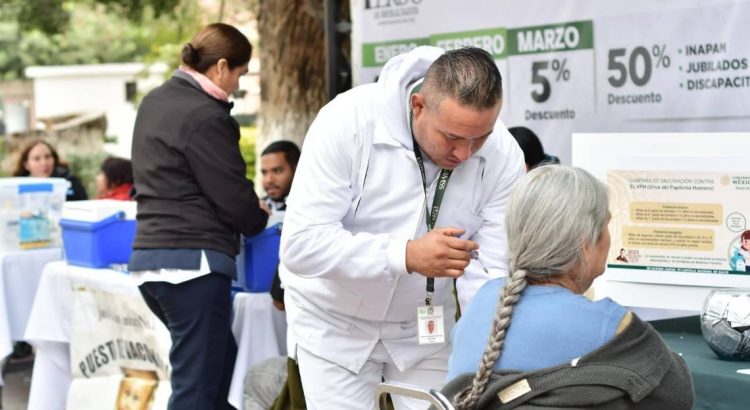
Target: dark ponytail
[(190, 57), (214, 42)]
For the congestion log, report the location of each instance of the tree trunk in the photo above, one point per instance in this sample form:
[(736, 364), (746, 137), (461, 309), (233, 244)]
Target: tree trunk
[(292, 67)]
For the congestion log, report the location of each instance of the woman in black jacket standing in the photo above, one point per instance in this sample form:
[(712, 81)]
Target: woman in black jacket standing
[(193, 202)]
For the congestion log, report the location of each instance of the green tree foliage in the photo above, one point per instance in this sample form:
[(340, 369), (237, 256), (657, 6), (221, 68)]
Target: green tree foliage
[(133, 9), (86, 167), (49, 16), (53, 16), (248, 136), (92, 31)]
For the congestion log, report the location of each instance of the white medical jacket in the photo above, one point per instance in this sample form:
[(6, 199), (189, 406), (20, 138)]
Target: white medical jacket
[(357, 199)]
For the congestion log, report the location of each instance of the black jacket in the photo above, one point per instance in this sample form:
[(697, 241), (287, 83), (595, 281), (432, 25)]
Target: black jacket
[(76, 192), (635, 370), (189, 174)]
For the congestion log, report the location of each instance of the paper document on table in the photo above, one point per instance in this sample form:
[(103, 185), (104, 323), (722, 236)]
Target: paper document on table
[(716, 308), (738, 311)]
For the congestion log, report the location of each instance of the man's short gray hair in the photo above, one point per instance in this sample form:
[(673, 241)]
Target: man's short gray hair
[(469, 75)]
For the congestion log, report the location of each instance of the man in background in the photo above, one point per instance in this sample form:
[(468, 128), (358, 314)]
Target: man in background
[(533, 152), (277, 165), (278, 161)]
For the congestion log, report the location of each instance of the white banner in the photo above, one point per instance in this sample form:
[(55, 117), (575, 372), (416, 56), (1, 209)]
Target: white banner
[(119, 353), (583, 65)]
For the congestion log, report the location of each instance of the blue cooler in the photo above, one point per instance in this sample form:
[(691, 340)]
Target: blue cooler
[(98, 233), (262, 259), (98, 244)]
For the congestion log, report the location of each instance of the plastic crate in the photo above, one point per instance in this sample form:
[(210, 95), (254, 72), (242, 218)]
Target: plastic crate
[(29, 212), (262, 259), (98, 244)]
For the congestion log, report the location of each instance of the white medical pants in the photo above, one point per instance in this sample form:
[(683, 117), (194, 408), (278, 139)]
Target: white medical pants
[(329, 386)]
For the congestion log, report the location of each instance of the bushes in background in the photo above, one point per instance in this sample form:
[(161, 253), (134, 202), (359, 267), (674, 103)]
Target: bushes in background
[(247, 148)]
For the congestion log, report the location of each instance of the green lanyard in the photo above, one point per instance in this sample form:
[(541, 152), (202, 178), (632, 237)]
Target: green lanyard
[(432, 214)]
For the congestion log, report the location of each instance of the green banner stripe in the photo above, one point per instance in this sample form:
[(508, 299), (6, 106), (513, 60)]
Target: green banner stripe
[(377, 54), (492, 40), (689, 270), (575, 35)]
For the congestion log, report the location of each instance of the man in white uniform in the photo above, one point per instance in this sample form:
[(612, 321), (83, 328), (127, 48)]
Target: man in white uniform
[(363, 267)]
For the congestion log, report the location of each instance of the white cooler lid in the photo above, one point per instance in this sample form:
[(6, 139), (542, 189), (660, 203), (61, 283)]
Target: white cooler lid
[(15, 182), (95, 210)]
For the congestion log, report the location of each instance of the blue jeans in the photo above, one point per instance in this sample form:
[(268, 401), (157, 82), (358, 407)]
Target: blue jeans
[(198, 314)]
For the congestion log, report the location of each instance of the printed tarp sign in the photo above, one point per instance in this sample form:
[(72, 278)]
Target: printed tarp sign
[(119, 353)]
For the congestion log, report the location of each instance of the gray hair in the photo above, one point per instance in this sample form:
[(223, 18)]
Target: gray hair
[(553, 212), (469, 75)]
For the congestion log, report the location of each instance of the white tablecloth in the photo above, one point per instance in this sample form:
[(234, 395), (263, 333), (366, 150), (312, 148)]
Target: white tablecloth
[(259, 330), (20, 272)]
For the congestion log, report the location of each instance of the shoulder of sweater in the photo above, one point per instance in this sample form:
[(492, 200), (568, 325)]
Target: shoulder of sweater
[(624, 322), (185, 101), (635, 338)]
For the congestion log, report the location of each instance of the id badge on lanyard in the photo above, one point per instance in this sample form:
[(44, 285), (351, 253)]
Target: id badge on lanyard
[(431, 323), (430, 318)]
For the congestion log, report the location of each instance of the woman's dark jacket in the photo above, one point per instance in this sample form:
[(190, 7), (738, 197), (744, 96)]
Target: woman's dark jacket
[(189, 174)]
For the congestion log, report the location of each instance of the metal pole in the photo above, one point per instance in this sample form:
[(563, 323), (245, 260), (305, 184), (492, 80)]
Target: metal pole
[(221, 11), (331, 48)]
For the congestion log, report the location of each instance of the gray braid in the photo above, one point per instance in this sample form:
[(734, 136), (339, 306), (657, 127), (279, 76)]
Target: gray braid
[(509, 296)]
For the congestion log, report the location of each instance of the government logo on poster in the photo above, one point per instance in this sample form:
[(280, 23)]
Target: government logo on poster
[(393, 11)]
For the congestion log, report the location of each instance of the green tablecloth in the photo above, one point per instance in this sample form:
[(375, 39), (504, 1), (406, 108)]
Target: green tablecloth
[(717, 383)]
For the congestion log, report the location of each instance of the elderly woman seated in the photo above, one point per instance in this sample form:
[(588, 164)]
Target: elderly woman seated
[(533, 339)]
